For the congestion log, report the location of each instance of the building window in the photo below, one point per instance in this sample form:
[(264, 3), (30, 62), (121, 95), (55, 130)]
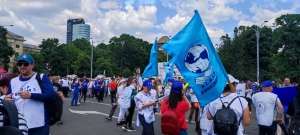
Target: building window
[(17, 46)]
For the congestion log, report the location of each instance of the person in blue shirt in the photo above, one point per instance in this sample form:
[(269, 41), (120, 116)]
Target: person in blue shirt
[(75, 88), (31, 97), (84, 88), (97, 89)]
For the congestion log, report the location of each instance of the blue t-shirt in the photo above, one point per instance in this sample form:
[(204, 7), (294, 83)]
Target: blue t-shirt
[(84, 84), (75, 87)]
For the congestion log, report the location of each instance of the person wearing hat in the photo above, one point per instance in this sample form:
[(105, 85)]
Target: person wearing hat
[(30, 97), (145, 101), (269, 109), (229, 98), (124, 95), (178, 103)]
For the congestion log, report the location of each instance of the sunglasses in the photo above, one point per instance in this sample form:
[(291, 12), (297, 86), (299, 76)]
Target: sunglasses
[(22, 63)]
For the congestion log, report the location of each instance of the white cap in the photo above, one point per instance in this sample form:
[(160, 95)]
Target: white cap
[(232, 79)]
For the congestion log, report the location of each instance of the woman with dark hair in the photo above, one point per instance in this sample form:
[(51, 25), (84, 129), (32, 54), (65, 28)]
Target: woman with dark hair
[(6, 127), (176, 103), (4, 84)]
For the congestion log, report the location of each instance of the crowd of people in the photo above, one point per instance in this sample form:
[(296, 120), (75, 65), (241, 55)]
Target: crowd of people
[(31, 96)]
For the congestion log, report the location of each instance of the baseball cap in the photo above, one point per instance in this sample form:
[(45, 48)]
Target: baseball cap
[(232, 79), (266, 83), (25, 57), (176, 86), (148, 84)]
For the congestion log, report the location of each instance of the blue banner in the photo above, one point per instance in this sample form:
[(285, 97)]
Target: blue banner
[(195, 56), (152, 68), (286, 95)]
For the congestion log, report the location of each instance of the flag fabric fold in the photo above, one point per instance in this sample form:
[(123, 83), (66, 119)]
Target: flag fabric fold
[(152, 68), (197, 60), (169, 71)]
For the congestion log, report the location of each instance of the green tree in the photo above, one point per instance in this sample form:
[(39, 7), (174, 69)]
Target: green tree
[(6, 50), (239, 54), (129, 52), (286, 47)]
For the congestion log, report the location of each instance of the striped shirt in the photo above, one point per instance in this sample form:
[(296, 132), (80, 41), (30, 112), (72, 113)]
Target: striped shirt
[(22, 122)]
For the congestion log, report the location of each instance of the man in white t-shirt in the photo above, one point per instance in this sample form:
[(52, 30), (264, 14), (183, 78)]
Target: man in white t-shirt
[(241, 89), (65, 86), (269, 109), (239, 105), (205, 124)]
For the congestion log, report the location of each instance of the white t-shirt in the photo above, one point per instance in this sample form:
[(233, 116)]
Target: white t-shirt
[(124, 96), (248, 93), (143, 98), (33, 110), (241, 89), (205, 124), (193, 97), (65, 83), (90, 84), (237, 106), (264, 103)]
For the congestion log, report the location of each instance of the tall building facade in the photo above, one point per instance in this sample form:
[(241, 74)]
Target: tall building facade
[(81, 31), (16, 42), (70, 24)]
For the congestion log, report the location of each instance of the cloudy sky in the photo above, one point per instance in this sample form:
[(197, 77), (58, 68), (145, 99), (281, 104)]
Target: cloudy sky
[(147, 19)]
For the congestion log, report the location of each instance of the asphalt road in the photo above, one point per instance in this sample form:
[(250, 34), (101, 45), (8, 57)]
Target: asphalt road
[(89, 119)]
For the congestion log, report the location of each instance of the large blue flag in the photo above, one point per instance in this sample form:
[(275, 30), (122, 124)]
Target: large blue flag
[(152, 67), (195, 56)]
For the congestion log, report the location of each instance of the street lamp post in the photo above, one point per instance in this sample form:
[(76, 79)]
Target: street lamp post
[(257, 33), (92, 55)]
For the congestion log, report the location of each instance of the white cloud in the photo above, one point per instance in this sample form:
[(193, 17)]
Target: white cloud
[(34, 4), (173, 24), (245, 23), (130, 20), (9, 17), (36, 19), (212, 12), (260, 15), (215, 34), (108, 5)]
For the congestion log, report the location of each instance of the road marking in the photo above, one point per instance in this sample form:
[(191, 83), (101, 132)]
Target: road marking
[(97, 103), (92, 112), (89, 112)]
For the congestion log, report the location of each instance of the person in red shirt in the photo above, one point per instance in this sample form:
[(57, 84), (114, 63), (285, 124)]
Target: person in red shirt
[(113, 90), (113, 86), (179, 103)]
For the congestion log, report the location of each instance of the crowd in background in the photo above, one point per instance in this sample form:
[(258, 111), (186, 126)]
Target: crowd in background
[(33, 94)]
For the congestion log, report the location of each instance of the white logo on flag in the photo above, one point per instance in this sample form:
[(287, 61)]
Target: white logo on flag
[(197, 61)]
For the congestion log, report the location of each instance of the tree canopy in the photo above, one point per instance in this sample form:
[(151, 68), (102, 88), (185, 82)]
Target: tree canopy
[(6, 50), (121, 56), (279, 50)]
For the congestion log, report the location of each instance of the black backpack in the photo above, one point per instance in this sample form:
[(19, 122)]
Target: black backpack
[(225, 120), (10, 119), (54, 107)]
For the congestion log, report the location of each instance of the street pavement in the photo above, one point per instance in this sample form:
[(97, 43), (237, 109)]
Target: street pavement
[(89, 119)]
